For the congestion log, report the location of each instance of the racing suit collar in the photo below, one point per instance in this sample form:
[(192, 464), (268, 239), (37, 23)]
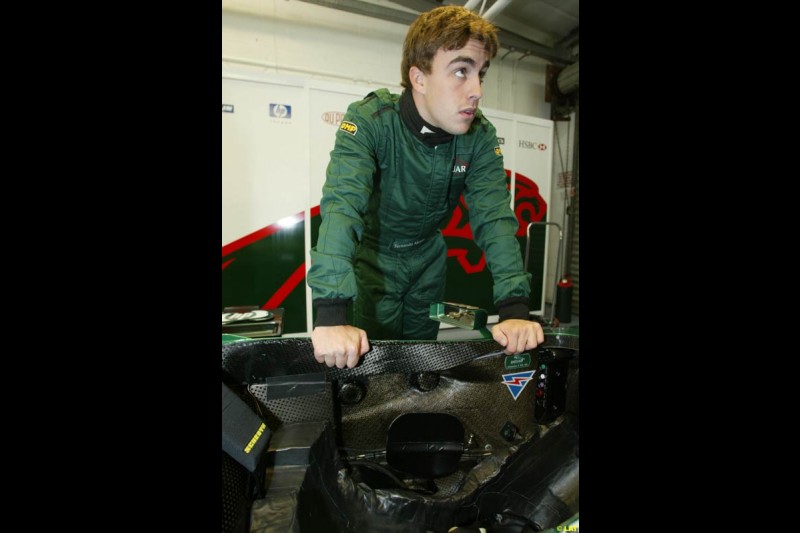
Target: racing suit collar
[(412, 119)]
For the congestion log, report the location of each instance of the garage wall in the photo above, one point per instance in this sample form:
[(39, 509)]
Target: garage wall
[(292, 37), (277, 134), (297, 39)]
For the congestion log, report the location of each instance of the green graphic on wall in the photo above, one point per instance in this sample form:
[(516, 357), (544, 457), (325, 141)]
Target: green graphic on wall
[(267, 269)]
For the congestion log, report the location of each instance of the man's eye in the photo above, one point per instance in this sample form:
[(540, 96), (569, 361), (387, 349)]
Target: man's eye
[(461, 73)]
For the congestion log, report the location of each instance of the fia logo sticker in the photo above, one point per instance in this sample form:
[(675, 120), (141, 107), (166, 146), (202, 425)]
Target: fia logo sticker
[(517, 381)]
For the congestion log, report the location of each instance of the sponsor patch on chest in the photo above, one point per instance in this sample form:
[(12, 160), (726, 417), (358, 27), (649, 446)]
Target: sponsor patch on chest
[(460, 167)]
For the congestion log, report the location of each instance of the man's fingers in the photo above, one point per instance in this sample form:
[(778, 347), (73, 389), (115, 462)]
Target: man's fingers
[(518, 336), (537, 336), (364, 344), (499, 337), (353, 352), (360, 349), (319, 354), (339, 346), (522, 341), (352, 360)]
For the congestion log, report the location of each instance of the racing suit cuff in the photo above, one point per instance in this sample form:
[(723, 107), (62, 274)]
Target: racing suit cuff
[(515, 307), (330, 312)]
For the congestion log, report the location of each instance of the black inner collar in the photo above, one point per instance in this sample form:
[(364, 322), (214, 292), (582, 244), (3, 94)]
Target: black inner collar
[(414, 122)]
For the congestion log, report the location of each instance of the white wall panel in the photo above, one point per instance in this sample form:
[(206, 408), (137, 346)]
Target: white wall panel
[(264, 175), (291, 37), (533, 159), (329, 103)]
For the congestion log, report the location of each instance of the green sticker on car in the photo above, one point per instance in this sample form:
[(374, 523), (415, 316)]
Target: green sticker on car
[(520, 360)]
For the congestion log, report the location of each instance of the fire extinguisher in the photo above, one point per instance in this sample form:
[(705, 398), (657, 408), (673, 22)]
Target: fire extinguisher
[(564, 299)]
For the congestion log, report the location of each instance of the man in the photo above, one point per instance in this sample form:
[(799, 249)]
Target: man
[(397, 170)]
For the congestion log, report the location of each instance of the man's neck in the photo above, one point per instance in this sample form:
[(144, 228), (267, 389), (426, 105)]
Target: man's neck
[(422, 108), (422, 129)]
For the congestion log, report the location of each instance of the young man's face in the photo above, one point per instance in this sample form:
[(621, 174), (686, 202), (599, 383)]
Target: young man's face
[(448, 96)]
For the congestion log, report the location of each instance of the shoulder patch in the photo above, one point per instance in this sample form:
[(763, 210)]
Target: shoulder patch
[(383, 109), (348, 127), (367, 99), (497, 150)]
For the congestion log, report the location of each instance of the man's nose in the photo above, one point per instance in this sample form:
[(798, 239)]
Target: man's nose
[(476, 89)]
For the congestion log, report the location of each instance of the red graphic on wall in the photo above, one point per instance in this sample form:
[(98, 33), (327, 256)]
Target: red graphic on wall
[(529, 206), (244, 245)]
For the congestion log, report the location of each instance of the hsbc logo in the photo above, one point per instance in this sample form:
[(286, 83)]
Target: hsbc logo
[(532, 145)]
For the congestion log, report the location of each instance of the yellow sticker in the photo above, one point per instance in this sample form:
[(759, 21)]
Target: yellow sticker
[(349, 127), (255, 438)]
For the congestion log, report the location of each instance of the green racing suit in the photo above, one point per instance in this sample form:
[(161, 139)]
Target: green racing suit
[(388, 190)]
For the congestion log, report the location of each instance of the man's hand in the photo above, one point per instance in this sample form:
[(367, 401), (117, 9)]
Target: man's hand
[(518, 335), (339, 345)]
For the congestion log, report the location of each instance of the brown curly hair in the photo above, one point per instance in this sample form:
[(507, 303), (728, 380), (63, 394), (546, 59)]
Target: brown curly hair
[(446, 27)]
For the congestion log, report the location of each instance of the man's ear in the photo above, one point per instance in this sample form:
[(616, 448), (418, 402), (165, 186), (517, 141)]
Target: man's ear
[(417, 78)]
